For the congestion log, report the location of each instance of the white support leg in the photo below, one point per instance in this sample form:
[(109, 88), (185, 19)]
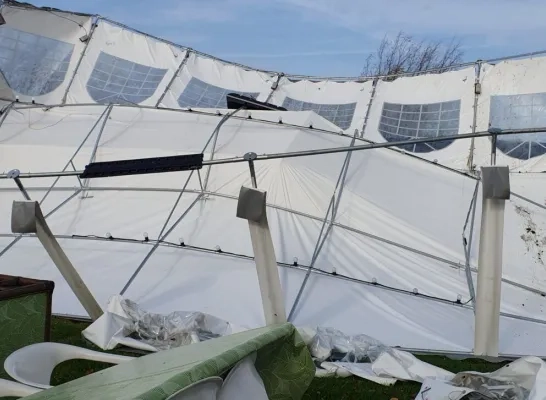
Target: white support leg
[(26, 217), (252, 207), (496, 190)]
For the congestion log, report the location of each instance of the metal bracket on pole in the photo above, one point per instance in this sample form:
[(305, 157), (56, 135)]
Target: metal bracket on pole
[(250, 157), (274, 87), (493, 131), (252, 207), (27, 217), (496, 190), (14, 174)]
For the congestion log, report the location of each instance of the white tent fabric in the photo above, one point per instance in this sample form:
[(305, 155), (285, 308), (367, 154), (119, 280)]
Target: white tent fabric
[(343, 103), (387, 224), (203, 82), (387, 234), (120, 66), (513, 97), (40, 51), (423, 99)]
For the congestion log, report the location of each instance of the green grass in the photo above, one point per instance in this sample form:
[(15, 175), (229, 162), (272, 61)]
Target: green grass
[(66, 331)]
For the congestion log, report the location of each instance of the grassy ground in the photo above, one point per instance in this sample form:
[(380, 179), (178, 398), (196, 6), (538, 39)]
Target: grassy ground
[(65, 331)]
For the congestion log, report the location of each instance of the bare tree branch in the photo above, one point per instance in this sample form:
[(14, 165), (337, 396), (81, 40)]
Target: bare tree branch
[(405, 55)]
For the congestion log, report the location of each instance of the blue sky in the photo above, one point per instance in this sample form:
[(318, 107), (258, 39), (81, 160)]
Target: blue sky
[(325, 37)]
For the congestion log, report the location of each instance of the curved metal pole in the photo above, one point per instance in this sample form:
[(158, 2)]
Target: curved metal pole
[(331, 150)]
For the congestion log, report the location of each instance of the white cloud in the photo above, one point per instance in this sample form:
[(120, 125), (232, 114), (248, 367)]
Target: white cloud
[(507, 20), (208, 11), (468, 16)]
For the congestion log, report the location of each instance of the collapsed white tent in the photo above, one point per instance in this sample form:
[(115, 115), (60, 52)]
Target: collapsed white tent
[(386, 225)]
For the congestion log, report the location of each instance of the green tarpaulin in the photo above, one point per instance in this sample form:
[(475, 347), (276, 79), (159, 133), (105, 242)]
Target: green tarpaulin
[(283, 361)]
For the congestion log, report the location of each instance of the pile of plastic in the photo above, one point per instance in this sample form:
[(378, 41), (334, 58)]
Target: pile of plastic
[(334, 353), (338, 354), (176, 329)]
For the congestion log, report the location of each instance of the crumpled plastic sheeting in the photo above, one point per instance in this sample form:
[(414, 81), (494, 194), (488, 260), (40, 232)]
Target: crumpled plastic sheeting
[(329, 343), (125, 323), (361, 355), (523, 379), (176, 329), (335, 353), (338, 354)]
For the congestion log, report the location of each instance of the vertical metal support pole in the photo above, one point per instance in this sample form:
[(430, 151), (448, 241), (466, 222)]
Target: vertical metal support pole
[(14, 241), (177, 72), (468, 246), (27, 217), (374, 87), (94, 24), (97, 142), (75, 153), (477, 92), (6, 110), (14, 174), (496, 190), (214, 136), (96, 145), (252, 207), (274, 86), (334, 205), (250, 157), (494, 150), (162, 235)]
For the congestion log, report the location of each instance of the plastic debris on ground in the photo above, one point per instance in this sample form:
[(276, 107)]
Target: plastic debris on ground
[(335, 354), (125, 323)]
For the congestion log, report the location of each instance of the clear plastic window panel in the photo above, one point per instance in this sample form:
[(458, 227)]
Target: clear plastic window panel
[(201, 94), (520, 112), (339, 114), (412, 121), (116, 80), (33, 65)]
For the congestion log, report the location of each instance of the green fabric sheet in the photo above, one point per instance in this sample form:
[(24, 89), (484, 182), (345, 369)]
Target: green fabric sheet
[(22, 322), (283, 361)]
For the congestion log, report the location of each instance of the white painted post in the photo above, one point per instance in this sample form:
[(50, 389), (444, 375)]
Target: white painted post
[(496, 190), (252, 207), (27, 217)]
